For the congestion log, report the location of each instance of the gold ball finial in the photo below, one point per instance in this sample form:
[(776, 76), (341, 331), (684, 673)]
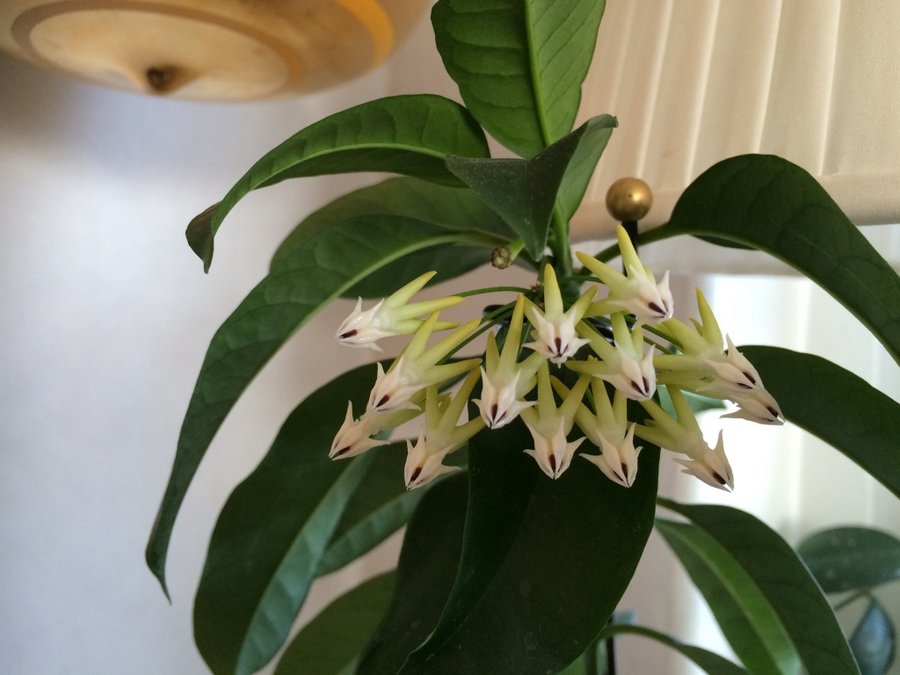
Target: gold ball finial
[(629, 199)]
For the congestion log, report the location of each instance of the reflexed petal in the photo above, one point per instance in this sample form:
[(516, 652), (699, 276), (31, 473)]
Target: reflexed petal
[(394, 389), (353, 437), (552, 452), (499, 405), (423, 464), (619, 460)]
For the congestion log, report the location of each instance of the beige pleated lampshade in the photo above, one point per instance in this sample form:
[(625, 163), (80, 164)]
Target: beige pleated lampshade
[(695, 81), (222, 50)]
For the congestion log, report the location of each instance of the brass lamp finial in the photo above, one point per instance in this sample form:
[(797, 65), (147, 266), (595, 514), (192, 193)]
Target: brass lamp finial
[(629, 199)]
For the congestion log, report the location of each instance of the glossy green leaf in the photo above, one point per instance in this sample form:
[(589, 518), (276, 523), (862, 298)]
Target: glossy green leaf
[(401, 134), (524, 191), (709, 661), (544, 562), (380, 507), (273, 531), (837, 406), (582, 164), (785, 623), (519, 64), (458, 209), (851, 558), (751, 627), (425, 573), (873, 641), (331, 642), (329, 262), (775, 206)]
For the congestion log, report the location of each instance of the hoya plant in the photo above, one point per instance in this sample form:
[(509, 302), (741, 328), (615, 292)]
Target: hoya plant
[(519, 447)]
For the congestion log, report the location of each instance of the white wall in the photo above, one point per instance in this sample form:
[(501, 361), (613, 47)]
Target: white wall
[(106, 317)]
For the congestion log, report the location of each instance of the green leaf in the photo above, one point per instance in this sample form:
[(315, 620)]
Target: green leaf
[(765, 601), (524, 191), (274, 529), (457, 209), (402, 134), (425, 574), (745, 618), (544, 562), (329, 262), (331, 641), (851, 558), (873, 641), (582, 164), (380, 507), (772, 205), (837, 406), (519, 64), (709, 661)]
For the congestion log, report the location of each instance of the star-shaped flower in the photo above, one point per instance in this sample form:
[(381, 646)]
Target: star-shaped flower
[(391, 316), (608, 429), (504, 381), (556, 339), (624, 365), (418, 367), (550, 425), (440, 435), (636, 292), (683, 435)]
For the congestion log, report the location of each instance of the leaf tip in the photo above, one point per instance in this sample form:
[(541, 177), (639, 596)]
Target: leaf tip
[(199, 234)]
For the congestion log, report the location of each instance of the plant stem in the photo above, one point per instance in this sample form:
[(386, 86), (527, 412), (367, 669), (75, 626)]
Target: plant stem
[(562, 255), (493, 289)]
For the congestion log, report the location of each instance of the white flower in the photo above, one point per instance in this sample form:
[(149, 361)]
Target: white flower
[(608, 429), (711, 466), (504, 381), (441, 435), (549, 425), (683, 435), (556, 339), (637, 292), (391, 316), (417, 367), (757, 406), (624, 365), (354, 436), (423, 464), (706, 368)]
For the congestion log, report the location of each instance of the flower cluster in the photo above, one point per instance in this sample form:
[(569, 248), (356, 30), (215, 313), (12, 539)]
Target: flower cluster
[(602, 342)]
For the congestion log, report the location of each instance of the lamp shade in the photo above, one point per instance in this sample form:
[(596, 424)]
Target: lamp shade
[(196, 49), (695, 81)]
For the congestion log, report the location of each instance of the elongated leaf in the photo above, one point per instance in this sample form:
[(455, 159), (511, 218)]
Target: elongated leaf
[(380, 507), (331, 641), (584, 160), (274, 529), (458, 209), (775, 206), (837, 406), (328, 263), (750, 625), (873, 641), (425, 574), (851, 558), (402, 134), (709, 661), (524, 191), (519, 64), (544, 562), (767, 580)]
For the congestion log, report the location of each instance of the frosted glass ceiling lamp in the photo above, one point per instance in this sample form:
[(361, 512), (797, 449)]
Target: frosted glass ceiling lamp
[(695, 81), (197, 49)]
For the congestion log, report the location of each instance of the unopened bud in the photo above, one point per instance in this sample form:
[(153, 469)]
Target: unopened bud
[(501, 257)]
